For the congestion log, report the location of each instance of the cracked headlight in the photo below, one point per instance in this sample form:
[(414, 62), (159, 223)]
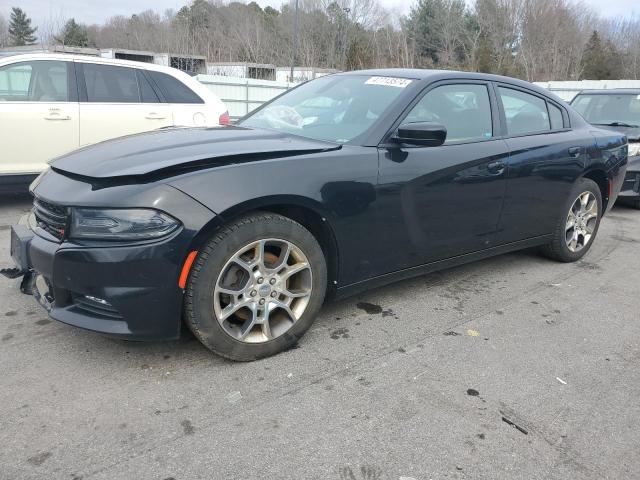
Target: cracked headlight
[(120, 224)]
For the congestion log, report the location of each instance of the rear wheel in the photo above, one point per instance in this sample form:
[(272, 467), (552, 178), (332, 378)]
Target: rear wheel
[(578, 223), (256, 287)]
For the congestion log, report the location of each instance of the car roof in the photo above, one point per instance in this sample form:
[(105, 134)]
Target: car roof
[(436, 75), (23, 57), (611, 91), (195, 85)]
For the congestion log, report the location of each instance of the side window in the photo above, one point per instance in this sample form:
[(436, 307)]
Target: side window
[(555, 116), (147, 94), (38, 81), (464, 109), (106, 83), (525, 113), (173, 90)]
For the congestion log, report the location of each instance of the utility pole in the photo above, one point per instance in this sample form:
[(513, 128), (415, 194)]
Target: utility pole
[(294, 46), (346, 35)]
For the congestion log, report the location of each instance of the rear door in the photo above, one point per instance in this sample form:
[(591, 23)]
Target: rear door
[(546, 156), (39, 115), (187, 107), (117, 101), (439, 202)]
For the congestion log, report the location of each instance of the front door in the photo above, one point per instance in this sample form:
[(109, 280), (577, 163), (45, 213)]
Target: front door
[(440, 202), (39, 117)]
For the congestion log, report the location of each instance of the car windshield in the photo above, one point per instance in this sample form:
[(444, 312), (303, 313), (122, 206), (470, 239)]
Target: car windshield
[(607, 109), (335, 108)]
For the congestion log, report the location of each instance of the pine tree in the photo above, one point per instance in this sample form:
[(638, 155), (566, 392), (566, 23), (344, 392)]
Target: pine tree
[(73, 34), (601, 60), (20, 30)]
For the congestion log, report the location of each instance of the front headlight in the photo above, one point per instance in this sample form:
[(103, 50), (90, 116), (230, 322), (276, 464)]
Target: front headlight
[(634, 148), (120, 224)]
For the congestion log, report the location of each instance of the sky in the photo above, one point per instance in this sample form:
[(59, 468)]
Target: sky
[(92, 11)]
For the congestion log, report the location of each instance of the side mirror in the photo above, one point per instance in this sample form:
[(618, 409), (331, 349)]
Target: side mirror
[(427, 134)]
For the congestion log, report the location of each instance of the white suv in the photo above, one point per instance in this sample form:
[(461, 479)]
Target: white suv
[(51, 104)]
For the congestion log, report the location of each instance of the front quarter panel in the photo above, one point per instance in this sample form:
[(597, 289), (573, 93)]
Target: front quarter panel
[(339, 185)]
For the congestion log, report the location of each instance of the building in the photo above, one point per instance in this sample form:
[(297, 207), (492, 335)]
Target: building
[(256, 71), (192, 64)]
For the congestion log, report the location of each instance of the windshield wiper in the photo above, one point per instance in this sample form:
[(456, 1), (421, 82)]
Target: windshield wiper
[(617, 124)]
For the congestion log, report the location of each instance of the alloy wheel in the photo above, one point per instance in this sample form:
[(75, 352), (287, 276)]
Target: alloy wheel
[(263, 290), (581, 221)]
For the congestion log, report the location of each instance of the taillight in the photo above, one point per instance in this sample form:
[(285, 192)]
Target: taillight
[(224, 119)]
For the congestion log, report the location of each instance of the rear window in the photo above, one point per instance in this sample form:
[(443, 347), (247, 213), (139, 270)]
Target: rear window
[(524, 113), (555, 115), (173, 90)]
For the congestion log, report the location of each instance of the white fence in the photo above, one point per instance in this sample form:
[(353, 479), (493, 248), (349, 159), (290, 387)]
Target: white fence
[(242, 95), (569, 89)]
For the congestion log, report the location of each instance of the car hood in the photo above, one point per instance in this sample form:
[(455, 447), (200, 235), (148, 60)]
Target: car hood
[(632, 133), (176, 150)]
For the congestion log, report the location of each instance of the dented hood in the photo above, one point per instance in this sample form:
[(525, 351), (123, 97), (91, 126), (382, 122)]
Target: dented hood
[(182, 149)]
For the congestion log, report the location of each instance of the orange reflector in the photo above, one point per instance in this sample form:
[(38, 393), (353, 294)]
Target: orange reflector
[(186, 268)]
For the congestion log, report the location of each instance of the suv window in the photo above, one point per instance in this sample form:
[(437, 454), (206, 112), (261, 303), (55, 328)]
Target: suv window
[(147, 94), (37, 81), (173, 90), (524, 113), (464, 109), (107, 83)]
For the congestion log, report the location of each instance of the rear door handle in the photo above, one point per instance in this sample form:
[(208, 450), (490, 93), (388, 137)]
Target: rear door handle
[(496, 167), (575, 151), (155, 116), (57, 117)]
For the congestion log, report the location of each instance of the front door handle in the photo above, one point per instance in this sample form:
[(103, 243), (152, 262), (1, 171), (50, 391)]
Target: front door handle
[(575, 151), (54, 114), (496, 167)]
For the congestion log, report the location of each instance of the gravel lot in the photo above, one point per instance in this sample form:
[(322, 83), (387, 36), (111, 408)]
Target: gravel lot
[(515, 367)]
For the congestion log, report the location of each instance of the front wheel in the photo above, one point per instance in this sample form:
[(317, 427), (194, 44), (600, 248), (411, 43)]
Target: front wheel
[(578, 223), (256, 287)]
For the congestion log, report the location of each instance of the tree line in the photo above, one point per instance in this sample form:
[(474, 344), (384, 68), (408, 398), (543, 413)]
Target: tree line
[(536, 40)]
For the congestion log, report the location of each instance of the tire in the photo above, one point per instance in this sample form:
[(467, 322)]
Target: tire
[(286, 246), (559, 248)]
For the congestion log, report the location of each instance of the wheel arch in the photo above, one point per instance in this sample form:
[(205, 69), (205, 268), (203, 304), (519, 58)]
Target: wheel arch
[(307, 212), (599, 175)]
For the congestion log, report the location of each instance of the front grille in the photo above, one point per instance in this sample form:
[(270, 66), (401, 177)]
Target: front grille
[(95, 308), (51, 218)]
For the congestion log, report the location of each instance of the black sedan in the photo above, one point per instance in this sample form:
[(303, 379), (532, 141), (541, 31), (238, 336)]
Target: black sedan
[(344, 183), (617, 109)]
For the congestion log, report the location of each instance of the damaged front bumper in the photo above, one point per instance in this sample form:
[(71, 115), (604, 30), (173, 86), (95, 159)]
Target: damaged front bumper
[(127, 291)]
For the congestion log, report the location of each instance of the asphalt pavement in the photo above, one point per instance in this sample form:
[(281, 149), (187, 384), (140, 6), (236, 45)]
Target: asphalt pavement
[(516, 367)]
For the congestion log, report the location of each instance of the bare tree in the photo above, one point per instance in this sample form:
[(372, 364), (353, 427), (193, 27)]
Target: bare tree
[(4, 32)]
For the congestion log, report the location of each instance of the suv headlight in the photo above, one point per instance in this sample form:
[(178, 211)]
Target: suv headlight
[(120, 224), (634, 148)]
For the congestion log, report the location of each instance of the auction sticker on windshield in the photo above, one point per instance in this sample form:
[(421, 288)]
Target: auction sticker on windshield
[(389, 81)]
